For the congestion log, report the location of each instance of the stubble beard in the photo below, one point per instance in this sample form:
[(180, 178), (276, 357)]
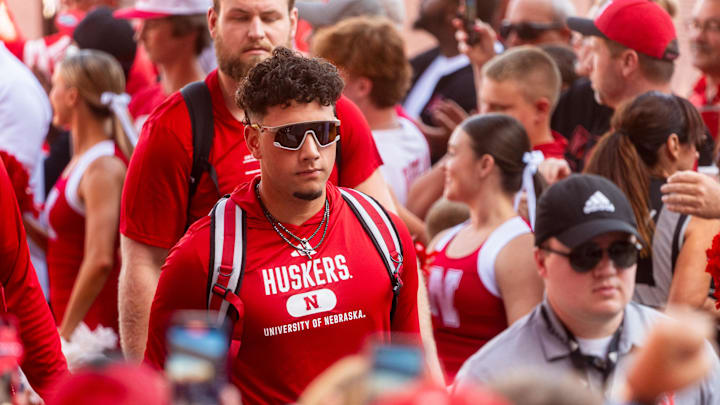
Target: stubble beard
[(232, 64), (308, 196)]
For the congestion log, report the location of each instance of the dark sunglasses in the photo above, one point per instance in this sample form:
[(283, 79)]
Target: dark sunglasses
[(527, 31), (586, 256), (292, 136)]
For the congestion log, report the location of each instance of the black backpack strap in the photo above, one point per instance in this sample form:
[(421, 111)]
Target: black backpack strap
[(199, 104)]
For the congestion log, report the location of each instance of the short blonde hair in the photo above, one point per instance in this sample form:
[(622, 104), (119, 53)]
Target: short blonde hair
[(532, 68)]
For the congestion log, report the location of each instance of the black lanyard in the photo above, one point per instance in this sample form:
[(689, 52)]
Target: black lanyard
[(580, 361)]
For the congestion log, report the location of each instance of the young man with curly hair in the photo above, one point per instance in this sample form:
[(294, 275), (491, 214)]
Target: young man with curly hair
[(303, 305)]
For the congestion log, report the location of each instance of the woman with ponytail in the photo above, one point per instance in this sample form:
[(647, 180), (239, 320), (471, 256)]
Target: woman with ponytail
[(654, 136), (482, 275), (83, 207)]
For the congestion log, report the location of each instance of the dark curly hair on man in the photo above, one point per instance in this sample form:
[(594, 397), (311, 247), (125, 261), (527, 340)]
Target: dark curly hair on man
[(286, 77)]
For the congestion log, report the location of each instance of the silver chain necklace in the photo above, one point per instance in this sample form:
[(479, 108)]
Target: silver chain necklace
[(305, 248)]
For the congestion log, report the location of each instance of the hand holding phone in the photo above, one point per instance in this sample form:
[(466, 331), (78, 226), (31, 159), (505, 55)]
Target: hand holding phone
[(469, 16)]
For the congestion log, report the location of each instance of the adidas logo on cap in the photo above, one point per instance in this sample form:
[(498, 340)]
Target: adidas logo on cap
[(598, 202)]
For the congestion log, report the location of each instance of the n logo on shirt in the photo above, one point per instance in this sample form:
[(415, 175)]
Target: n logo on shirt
[(441, 288), (311, 302)]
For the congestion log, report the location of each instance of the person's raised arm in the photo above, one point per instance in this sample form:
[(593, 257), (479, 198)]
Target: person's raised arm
[(100, 190), (139, 277), (480, 52), (426, 189), (690, 283)]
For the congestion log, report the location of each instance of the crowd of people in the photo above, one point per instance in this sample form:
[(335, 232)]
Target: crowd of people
[(268, 201)]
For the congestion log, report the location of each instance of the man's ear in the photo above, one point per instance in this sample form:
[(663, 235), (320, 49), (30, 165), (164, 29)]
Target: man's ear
[(252, 140), (540, 262), (630, 62), (543, 109), (212, 17), (361, 86)]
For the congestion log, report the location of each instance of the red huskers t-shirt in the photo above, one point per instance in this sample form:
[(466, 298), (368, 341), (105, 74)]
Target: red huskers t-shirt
[(283, 350), (155, 196), (43, 362)]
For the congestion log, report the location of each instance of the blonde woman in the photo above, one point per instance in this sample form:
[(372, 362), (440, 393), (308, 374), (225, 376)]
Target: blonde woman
[(83, 207)]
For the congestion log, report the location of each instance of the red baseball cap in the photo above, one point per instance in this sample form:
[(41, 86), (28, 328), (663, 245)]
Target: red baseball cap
[(115, 384), (148, 9), (640, 25)]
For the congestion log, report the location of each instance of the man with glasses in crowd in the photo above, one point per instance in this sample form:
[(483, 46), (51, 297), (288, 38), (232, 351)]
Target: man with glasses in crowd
[(303, 306), (586, 250), (537, 22), (704, 31)]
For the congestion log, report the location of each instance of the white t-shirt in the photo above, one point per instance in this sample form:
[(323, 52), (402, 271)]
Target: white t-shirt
[(25, 111), (595, 347), (405, 154)]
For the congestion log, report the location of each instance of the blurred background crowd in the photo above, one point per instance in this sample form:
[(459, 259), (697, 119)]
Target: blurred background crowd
[(489, 127)]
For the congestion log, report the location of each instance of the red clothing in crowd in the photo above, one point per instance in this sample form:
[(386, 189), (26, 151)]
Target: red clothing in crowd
[(43, 362), (708, 108), (466, 304), (555, 149), (155, 195), (145, 101), (281, 350), (66, 245)]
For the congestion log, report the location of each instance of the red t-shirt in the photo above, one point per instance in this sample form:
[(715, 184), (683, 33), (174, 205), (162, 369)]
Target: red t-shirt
[(554, 149), (709, 109), (281, 353), (43, 362), (144, 102), (155, 196)]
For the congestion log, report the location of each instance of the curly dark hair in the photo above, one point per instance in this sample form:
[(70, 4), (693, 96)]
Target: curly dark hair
[(286, 77)]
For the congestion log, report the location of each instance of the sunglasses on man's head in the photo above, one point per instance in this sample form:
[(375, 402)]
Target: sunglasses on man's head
[(292, 136), (527, 31), (586, 256)]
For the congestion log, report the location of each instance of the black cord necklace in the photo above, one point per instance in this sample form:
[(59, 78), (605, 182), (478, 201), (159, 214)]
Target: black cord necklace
[(305, 248)]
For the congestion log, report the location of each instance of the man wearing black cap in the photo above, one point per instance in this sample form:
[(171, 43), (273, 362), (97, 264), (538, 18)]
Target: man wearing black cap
[(586, 250)]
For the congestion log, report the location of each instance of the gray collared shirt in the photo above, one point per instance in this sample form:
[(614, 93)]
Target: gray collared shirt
[(530, 344)]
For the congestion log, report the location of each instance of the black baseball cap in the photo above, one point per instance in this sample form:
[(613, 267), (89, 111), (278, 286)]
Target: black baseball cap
[(581, 207), (101, 31)]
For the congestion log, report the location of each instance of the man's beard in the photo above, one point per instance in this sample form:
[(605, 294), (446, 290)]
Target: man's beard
[(231, 62), (705, 57)]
